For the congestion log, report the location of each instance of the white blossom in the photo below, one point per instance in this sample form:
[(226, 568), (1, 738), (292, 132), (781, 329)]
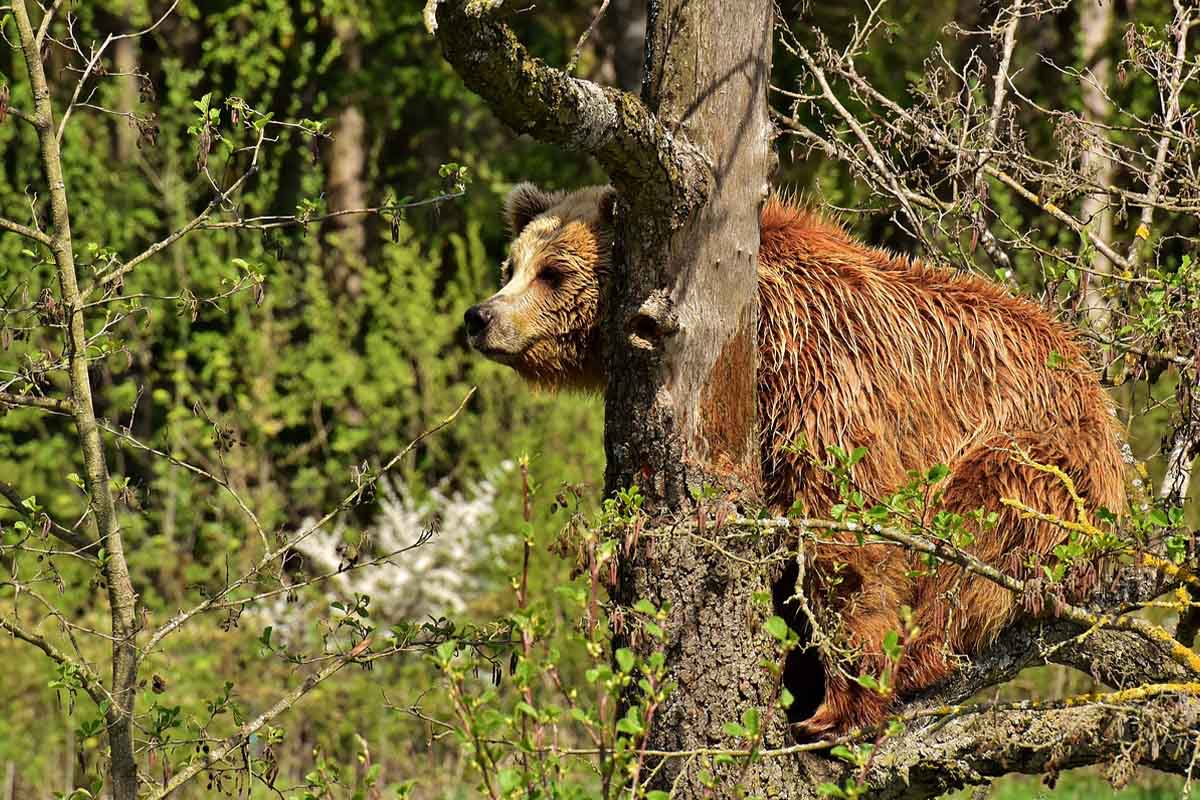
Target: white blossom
[(431, 550)]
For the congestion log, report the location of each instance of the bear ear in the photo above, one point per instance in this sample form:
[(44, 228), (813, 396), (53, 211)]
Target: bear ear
[(608, 205), (525, 202)]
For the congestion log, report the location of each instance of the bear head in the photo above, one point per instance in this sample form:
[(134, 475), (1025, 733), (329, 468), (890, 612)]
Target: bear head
[(545, 321)]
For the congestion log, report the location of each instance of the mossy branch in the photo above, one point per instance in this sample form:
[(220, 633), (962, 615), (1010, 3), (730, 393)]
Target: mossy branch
[(1158, 730), (647, 163)]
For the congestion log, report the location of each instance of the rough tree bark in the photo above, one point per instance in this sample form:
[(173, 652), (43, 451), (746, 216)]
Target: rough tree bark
[(691, 164), (680, 404), (690, 161)]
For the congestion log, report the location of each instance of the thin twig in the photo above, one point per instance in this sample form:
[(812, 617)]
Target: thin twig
[(584, 36)]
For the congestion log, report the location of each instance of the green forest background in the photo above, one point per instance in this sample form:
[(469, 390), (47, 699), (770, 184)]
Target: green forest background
[(354, 348)]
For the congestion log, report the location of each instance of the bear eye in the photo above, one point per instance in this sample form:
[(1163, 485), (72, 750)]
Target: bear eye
[(551, 276)]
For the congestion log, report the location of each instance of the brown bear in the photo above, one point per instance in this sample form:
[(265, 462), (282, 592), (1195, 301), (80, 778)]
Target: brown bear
[(859, 348)]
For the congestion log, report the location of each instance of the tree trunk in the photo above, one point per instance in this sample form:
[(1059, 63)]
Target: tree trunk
[(125, 59), (1095, 28), (680, 404), (347, 163)]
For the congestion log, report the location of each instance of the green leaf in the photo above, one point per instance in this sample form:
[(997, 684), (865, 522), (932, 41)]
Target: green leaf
[(509, 779), (867, 682), (631, 723), (891, 645), (625, 659), (777, 627), (936, 473), (844, 753)]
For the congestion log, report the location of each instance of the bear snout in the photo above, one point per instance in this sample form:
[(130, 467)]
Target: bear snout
[(477, 318)]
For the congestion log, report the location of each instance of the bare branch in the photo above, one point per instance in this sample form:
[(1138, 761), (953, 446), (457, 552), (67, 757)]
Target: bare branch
[(999, 86), (269, 557), (123, 270), (24, 116), (27, 232), (91, 684), (831, 97), (47, 18), (74, 538), (1179, 29), (57, 405), (222, 482), (583, 37), (292, 221), (95, 59)]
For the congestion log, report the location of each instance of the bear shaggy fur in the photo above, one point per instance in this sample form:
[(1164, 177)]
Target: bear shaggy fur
[(858, 348)]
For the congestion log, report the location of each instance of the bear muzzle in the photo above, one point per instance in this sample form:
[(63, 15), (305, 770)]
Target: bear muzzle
[(491, 333), (477, 318)]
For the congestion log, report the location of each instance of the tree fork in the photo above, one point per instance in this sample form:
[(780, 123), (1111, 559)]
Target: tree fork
[(690, 161)]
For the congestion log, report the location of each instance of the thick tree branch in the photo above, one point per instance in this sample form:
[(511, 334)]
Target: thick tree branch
[(1095, 639), (1158, 732), (646, 162), (1121, 620), (1114, 658)]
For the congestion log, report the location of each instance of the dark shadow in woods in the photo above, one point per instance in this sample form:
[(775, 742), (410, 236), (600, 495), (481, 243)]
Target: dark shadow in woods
[(803, 673)]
